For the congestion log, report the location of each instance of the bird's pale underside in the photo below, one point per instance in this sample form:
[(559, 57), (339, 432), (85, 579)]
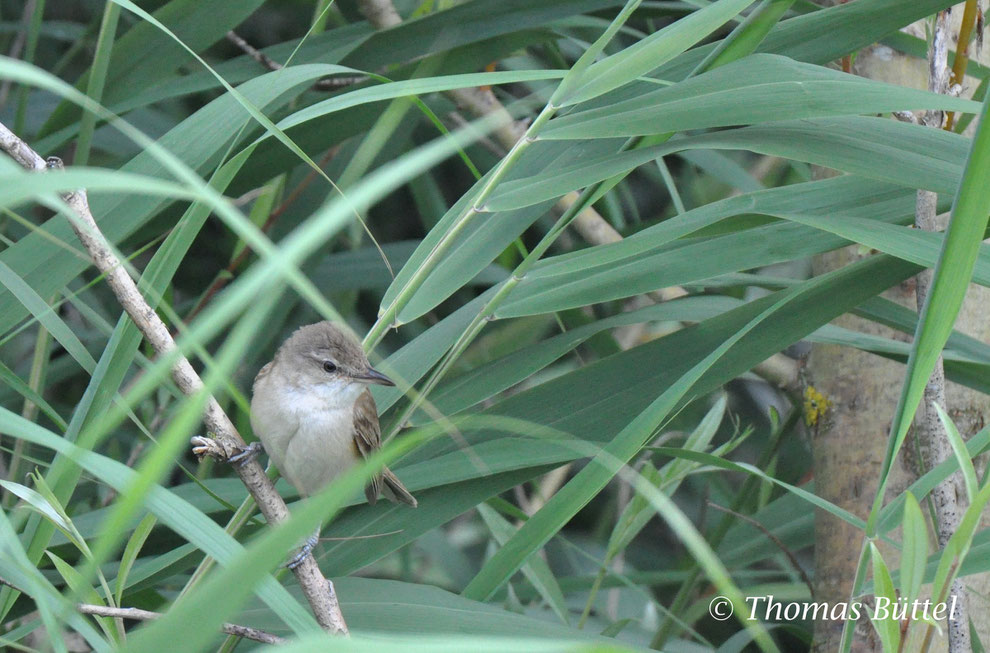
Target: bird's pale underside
[(312, 411)]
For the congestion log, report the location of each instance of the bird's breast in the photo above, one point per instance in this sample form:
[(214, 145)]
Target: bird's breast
[(322, 448), (308, 434)]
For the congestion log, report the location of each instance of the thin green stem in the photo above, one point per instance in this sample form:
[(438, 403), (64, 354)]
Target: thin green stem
[(848, 629), (389, 315), (749, 487), (34, 30), (97, 80), (36, 381), (240, 517), (488, 310)]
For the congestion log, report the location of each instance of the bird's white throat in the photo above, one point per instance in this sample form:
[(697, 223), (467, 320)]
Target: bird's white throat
[(331, 395)]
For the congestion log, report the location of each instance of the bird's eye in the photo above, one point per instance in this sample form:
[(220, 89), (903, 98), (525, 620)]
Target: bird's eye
[(329, 367)]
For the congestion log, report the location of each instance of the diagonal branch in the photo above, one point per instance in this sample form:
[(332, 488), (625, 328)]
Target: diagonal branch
[(319, 592), (324, 84)]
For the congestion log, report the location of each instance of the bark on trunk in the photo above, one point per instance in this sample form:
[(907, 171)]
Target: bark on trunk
[(849, 444)]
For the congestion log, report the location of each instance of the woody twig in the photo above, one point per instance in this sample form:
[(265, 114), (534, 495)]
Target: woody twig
[(227, 441)]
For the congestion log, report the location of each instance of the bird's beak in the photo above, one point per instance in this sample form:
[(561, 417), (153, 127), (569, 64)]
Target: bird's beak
[(374, 376)]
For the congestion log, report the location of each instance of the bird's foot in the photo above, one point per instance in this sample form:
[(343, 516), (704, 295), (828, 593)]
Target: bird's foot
[(209, 447), (303, 551), (245, 455)]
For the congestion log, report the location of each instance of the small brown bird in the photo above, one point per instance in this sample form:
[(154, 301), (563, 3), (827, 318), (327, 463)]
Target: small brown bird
[(313, 412)]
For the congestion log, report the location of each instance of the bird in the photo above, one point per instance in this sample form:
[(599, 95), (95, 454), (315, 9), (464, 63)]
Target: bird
[(313, 413)]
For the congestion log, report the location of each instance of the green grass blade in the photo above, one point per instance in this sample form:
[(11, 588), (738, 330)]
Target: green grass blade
[(914, 552), (131, 552), (962, 456), (756, 89), (97, 80), (590, 480), (536, 569), (13, 381), (888, 629), (579, 70), (19, 570), (650, 52), (170, 510), (747, 36), (46, 316)]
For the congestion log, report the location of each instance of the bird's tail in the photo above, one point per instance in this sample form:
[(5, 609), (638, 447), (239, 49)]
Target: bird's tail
[(394, 490)]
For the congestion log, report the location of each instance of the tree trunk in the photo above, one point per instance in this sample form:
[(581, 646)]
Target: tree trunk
[(850, 443)]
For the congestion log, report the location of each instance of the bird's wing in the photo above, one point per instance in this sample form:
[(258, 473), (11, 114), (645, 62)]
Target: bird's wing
[(368, 438), (263, 372)]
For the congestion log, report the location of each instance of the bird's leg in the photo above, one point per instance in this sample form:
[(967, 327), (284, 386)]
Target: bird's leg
[(246, 454), (304, 550)]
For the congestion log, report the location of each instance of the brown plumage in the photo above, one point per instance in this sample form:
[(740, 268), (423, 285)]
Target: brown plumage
[(368, 438)]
